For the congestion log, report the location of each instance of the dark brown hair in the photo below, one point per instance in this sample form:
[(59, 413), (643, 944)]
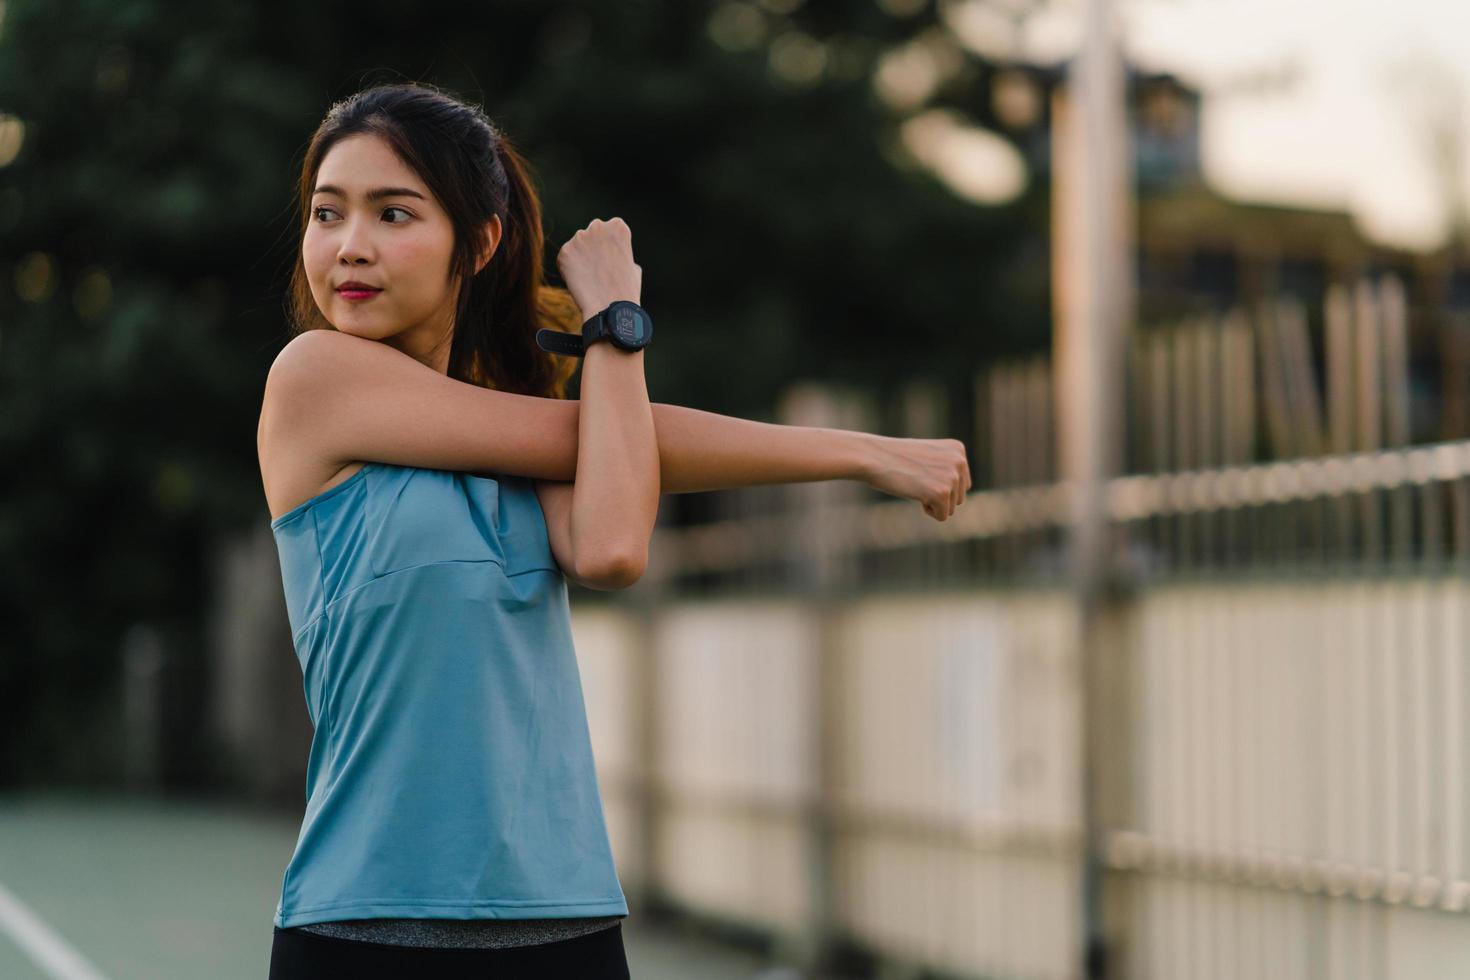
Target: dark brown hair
[(475, 172)]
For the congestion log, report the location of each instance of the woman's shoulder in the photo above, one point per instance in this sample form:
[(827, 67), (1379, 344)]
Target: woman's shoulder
[(292, 475)]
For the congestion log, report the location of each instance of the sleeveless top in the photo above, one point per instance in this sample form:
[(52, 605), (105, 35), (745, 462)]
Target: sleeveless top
[(450, 774)]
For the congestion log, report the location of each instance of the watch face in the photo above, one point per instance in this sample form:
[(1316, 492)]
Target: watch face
[(630, 325)]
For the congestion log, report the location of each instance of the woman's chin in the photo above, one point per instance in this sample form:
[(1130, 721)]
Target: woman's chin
[(357, 326)]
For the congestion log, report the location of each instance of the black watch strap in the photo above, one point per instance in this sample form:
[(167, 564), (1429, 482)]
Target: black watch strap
[(598, 328), (559, 342)]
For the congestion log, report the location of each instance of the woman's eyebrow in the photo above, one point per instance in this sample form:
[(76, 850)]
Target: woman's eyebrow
[(372, 195)]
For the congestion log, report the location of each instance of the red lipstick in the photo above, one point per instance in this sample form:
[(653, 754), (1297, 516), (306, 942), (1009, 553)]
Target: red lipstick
[(352, 289)]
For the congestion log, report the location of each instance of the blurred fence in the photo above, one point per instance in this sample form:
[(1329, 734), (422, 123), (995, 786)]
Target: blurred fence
[(837, 721), (874, 717)]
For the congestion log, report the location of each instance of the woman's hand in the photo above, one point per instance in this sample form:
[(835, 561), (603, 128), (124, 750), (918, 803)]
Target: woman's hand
[(931, 471), (597, 266)]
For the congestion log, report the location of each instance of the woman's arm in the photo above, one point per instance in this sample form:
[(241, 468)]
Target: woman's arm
[(704, 451), (615, 496)]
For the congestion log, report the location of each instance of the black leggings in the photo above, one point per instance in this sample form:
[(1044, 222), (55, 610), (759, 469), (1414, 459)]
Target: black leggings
[(299, 955)]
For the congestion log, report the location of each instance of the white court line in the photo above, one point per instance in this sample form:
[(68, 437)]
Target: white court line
[(54, 955)]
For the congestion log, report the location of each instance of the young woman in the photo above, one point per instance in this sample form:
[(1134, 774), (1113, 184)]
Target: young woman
[(431, 490)]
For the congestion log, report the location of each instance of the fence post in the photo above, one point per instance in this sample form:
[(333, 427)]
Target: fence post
[(820, 575)]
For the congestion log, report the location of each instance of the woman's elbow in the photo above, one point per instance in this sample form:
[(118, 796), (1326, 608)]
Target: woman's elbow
[(614, 571)]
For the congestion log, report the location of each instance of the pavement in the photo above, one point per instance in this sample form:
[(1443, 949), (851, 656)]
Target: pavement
[(138, 888)]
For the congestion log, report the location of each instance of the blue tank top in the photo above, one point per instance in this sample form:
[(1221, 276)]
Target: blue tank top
[(451, 773)]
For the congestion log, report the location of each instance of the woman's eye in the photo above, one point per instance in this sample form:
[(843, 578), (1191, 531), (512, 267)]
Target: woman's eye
[(317, 211)]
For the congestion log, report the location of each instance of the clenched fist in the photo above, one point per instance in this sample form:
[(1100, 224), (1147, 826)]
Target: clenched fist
[(597, 266), (934, 472)]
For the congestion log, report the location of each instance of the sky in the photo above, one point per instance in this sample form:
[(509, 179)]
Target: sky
[(1336, 124)]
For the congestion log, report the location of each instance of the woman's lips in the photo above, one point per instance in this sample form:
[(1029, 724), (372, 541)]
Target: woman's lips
[(358, 293)]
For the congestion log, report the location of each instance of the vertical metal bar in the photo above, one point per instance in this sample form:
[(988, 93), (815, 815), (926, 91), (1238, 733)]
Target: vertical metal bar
[(1393, 305), (1235, 693), (1161, 418), (1376, 720), (1206, 364), (1460, 495), (1390, 652), (1273, 384), (1360, 766), (1187, 401), (1452, 693), (1137, 427), (1337, 687), (1431, 504), (1305, 402), (1455, 360), (1093, 249), (1181, 834), (1205, 359), (1235, 395), (1370, 412), (1423, 714), (1367, 365), (1313, 670), (1339, 344), (1186, 444)]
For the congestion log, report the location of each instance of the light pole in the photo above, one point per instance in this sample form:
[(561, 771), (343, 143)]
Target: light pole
[(1092, 276)]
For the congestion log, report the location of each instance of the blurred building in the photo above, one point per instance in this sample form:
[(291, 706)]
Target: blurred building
[(1198, 250)]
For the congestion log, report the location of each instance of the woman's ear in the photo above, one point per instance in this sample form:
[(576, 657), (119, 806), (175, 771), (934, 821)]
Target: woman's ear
[(492, 242)]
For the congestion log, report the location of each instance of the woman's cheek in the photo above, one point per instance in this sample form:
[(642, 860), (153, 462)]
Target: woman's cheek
[(318, 269), (414, 255), (414, 262)]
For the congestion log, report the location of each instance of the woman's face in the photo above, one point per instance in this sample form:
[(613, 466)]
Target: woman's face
[(374, 221)]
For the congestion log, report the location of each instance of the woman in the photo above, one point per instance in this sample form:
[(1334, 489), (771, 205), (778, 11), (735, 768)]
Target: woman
[(431, 490)]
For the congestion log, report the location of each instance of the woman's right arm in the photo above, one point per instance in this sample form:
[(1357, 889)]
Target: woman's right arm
[(339, 398)]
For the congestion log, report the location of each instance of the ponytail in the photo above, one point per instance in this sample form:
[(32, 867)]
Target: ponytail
[(516, 301)]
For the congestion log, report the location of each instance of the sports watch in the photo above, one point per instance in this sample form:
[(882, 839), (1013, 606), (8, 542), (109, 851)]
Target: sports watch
[(624, 323)]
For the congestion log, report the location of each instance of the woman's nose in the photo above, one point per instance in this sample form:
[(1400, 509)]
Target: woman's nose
[(355, 246)]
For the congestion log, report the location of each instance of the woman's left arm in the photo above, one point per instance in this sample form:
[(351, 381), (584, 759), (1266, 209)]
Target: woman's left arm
[(700, 450), (704, 451)]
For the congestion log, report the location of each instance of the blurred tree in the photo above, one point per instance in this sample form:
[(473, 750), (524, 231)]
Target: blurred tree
[(148, 151)]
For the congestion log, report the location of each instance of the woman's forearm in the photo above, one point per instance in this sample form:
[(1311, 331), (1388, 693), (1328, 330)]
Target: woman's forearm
[(615, 500), (700, 450)]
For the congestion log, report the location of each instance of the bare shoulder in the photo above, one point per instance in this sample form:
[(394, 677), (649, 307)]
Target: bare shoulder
[(306, 347), (292, 471)]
